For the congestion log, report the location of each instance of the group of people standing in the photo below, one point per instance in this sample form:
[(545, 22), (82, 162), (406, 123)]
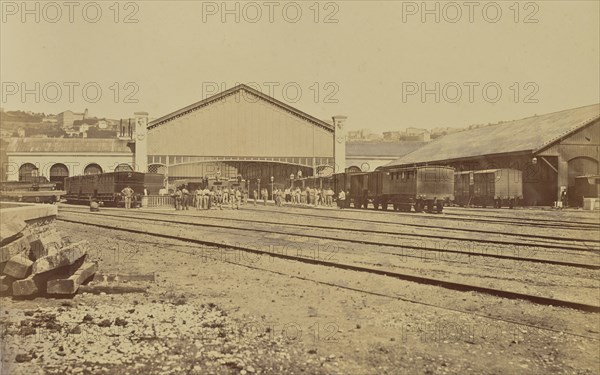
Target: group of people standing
[(297, 196), (206, 199)]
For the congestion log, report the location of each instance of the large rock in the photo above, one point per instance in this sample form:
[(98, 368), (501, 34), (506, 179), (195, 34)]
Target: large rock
[(16, 247), (70, 285), (63, 257), (6, 284), (45, 244), (11, 230), (36, 284), (25, 287), (18, 266)]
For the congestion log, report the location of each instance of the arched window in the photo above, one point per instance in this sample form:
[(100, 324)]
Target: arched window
[(59, 170), (58, 173), (92, 169), (123, 168), (27, 171)]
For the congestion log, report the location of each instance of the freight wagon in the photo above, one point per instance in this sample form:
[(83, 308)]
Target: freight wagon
[(413, 188), (404, 188), (105, 188), (35, 189), (490, 187)]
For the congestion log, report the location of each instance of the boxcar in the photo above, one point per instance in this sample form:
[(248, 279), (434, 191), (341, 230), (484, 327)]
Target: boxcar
[(106, 187), (490, 187), (419, 188)]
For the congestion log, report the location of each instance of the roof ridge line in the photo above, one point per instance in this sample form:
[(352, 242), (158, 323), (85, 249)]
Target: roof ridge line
[(223, 94), (571, 130)]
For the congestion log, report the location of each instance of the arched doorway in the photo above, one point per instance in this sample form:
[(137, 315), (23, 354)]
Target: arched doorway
[(580, 166), (92, 169), (123, 168), (27, 172), (58, 173)]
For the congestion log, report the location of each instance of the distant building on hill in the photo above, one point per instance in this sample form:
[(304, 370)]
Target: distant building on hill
[(362, 135), (410, 134), (67, 118)]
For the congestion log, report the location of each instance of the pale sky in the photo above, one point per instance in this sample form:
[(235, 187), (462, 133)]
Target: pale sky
[(367, 61)]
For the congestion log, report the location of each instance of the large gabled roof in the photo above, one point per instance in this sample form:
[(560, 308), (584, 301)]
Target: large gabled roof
[(67, 145), (527, 135), (233, 91)]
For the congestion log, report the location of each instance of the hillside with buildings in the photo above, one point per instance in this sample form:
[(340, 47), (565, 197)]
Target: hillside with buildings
[(410, 134), (67, 124)]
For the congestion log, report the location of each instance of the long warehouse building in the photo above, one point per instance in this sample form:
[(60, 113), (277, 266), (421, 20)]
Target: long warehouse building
[(551, 150)]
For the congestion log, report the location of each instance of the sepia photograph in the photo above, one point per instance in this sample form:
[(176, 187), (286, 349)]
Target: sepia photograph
[(311, 187)]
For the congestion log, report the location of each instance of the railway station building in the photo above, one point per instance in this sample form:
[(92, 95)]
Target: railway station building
[(551, 150), (58, 158), (242, 132)]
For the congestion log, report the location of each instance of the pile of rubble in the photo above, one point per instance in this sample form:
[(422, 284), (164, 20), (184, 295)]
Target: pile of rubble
[(36, 261)]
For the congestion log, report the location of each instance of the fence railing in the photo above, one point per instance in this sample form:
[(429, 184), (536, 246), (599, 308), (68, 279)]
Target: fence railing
[(158, 201)]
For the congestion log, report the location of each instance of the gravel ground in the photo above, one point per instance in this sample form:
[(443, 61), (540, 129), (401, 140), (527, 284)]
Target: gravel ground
[(108, 334), (495, 273), (270, 316)]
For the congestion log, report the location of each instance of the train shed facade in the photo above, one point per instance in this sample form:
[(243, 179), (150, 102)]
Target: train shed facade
[(551, 150), (240, 132)]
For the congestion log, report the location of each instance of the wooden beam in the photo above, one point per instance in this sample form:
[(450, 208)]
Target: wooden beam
[(550, 165)]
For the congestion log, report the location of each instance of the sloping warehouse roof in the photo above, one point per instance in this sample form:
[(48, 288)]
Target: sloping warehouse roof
[(381, 149), (73, 145), (528, 134)]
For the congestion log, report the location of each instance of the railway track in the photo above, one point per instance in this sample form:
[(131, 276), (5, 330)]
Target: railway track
[(557, 215), (201, 221), (558, 242), (550, 223), (500, 219), (159, 231), (523, 222), (437, 227), (396, 297)]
